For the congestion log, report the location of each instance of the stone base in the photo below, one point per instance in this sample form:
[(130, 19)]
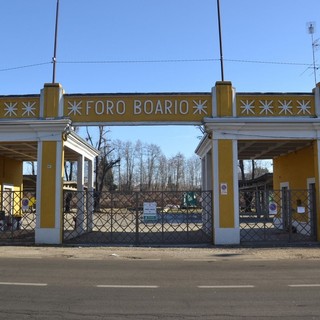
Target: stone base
[(48, 236), (226, 236)]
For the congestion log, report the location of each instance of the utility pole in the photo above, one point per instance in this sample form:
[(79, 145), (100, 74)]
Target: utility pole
[(220, 40), (54, 58)]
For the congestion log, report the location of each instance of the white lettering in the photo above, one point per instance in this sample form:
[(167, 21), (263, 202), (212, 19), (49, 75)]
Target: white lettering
[(109, 107), (99, 107), (186, 110), (140, 107), (121, 107), (88, 106), (167, 106), (137, 107), (158, 108), (145, 107)]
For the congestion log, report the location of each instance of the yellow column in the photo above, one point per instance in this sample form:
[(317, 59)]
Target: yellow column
[(50, 171), (225, 158), (49, 165), (52, 94), (226, 193), (224, 96)]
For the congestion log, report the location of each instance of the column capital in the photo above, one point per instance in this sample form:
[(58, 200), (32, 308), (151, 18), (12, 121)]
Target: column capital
[(52, 100)]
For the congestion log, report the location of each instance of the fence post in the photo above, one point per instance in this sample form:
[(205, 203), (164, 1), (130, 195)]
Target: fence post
[(290, 210), (137, 217), (162, 216), (111, 216), (89, 210)]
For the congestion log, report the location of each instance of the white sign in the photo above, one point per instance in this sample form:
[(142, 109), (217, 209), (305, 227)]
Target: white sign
[(25, 204), (273, 208), (223, 188), (150, 211)]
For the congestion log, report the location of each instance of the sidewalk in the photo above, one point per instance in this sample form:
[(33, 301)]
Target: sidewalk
[(168, 253)]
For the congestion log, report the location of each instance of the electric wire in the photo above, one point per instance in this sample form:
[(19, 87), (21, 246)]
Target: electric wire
[(25, 66), (155, 61)]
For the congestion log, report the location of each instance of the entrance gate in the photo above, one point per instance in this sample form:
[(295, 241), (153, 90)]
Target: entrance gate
[(160, 217), (278, 215)]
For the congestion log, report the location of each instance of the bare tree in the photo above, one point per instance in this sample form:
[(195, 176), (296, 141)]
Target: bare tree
[(103, 163)]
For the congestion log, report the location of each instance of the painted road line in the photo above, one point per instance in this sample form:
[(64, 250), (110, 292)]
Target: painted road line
[(115, 286), (155, 259), (200, 260), (260, 259), (31, 284), (304, 285), (227, 287)]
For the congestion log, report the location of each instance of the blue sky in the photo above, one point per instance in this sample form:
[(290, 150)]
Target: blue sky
[(265, 44)]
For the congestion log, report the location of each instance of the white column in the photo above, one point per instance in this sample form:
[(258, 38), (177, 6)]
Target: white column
[(203, 173), (90, 195), (80, 218), (209, 183)]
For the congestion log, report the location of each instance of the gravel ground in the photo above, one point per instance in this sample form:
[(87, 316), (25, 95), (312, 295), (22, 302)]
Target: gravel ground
[(163, 253)]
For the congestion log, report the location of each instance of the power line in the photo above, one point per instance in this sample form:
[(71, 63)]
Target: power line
[(137, 61), (183, 60), (156, 61), (25, 66)]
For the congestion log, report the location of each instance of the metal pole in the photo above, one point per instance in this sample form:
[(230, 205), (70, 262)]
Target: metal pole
[(220, 40), (54, 59), (314, 61)]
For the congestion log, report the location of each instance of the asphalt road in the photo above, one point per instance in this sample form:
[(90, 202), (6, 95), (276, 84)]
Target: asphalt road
[(225, 288)]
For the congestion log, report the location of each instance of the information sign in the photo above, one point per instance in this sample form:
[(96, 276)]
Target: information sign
[(150, 211)]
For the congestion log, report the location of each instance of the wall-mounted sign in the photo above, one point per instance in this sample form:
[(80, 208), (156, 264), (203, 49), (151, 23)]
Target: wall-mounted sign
[(25, 204), (223, 188), (128, 108), (273, 208)]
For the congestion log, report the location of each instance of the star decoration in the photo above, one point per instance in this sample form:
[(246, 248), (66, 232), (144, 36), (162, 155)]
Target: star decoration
[(74, 108), (200, 106), (266, 107), (28, 108), (247, 106), (304, 107), (285, 106), (10, 108)]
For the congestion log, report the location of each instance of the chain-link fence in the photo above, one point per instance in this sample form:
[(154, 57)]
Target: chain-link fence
[(282, 215), (17, 216), (138, 217)]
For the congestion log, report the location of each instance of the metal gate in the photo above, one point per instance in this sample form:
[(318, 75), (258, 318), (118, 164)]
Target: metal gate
[(138, 217), (280, 216), (17, 216)]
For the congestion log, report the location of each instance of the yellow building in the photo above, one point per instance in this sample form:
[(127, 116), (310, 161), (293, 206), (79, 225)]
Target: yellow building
[(281, 127)]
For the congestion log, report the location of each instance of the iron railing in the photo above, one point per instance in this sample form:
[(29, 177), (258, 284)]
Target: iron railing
[(138, 217), (17, 216), (277, 215)]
